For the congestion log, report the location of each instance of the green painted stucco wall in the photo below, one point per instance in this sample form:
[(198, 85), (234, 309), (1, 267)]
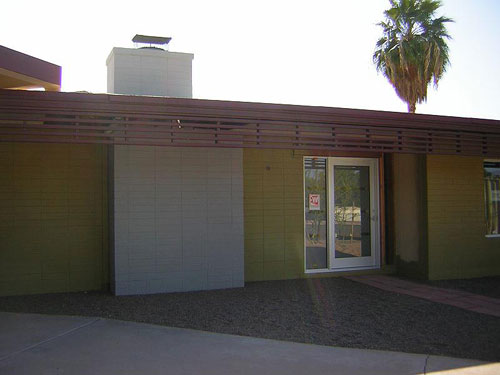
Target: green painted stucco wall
[(273, 212), (53, 218), (457, 244)]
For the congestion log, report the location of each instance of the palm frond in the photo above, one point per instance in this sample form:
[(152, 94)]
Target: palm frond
[(413, 50)]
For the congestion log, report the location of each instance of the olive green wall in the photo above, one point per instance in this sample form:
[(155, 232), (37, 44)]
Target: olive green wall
[(458, 247), (273, 212), (53, 218), (439, 224), (407, 210)]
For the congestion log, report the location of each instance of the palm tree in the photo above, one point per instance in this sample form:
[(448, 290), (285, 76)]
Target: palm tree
[(413, 50)]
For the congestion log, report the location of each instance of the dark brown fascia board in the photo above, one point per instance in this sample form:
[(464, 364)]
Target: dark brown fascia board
[(29, 66), (108, 103)]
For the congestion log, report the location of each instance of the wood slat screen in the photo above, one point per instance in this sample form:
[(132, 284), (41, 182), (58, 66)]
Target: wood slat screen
[(136, 120)]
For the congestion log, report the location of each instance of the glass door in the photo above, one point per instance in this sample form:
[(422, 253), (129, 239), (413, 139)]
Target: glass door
[(316, 213), (353, 213)]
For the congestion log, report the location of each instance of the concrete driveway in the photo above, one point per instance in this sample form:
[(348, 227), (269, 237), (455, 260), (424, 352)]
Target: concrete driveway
[(42, 344)]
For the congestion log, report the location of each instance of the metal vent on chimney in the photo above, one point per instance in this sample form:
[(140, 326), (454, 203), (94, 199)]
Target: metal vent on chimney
[(148, 41)]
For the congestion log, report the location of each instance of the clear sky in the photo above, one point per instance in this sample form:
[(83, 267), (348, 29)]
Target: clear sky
[(310, 52)]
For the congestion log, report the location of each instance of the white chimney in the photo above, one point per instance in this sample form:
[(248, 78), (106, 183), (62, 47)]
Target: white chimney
[(150, 70)]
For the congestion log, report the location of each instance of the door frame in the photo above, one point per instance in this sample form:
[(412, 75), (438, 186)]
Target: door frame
[(375, 205), (358, 262)]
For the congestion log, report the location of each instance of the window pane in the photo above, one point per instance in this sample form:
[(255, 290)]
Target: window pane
[(315, 213), (492, 196), (352, 211)]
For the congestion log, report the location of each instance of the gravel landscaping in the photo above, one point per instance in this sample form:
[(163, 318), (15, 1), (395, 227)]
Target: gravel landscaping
[(333, 311)]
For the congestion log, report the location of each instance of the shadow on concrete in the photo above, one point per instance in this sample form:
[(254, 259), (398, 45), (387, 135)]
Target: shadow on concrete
[(39, 344)]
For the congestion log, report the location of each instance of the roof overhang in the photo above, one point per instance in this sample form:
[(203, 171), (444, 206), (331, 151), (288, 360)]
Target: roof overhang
[(21, 71), (157, 121)]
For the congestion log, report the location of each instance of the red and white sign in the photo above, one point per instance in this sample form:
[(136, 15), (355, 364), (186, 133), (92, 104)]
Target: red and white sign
[(314, 202)]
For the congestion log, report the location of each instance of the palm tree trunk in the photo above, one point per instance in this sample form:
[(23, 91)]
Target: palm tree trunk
[(412, 107)]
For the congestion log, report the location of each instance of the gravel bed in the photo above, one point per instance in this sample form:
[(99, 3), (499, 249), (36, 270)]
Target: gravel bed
[(333, 311)]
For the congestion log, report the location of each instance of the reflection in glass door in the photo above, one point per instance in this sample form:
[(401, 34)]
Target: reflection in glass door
[(315, 213), (354, 212), (341, 213)]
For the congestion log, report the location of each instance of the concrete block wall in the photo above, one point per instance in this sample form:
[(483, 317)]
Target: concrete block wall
[(147, 71), (274, 214), (178, 219), (53, 218), (458, 246)]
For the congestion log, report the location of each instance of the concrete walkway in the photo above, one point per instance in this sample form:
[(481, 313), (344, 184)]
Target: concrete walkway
[(43, 344), (453, 297)]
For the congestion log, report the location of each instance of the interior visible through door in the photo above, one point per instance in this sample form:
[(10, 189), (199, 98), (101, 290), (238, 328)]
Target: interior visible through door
[(341, 213)]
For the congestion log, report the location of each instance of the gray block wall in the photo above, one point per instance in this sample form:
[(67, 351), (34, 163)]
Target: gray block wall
[(146, 71), (178, 219)]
